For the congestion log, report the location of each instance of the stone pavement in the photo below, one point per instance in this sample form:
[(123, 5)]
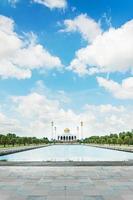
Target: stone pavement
[(66, 183)]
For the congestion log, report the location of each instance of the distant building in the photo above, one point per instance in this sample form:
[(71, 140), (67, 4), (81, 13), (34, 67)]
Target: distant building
[(67, 136)]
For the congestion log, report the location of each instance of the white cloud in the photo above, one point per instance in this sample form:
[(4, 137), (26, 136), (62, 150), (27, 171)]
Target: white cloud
[(59, 95), (36, 57), (103, 109), (106, 20), (8, 124), (109, 119), (36, 110), (32, 114), (20, 55), (87, 27), (120, 91), (13, 2), (52, 3), (110, 51), (37, 104)]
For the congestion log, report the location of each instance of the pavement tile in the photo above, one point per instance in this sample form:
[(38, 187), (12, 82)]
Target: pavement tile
[(35, 197), (93, 198), (66, 183)]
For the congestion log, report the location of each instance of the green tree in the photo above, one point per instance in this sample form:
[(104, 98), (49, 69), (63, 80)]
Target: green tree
[(24, 139), (120, 141), (109, 141), (127, 140), (19, 141), (4, 140), (13, 141), (114, 140)]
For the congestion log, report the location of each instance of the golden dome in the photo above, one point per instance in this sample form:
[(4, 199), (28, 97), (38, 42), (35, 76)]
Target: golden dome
[(66, 130)]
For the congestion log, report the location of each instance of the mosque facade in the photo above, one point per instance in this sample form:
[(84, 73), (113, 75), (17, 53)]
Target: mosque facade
[(67, 136)]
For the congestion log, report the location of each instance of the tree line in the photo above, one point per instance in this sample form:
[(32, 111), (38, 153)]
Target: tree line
[(123, 138), (13, 139)]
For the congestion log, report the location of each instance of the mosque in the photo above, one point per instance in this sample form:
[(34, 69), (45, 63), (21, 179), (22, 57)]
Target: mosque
[(67, 136)]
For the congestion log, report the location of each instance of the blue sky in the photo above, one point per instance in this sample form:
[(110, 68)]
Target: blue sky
[(75, 57)]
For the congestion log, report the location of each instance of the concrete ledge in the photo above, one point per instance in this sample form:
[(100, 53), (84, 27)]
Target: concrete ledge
[(129, 150), (19, 149), (67, 163)]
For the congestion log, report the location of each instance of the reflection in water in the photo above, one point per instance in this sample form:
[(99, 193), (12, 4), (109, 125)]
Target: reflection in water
[(69, 153)]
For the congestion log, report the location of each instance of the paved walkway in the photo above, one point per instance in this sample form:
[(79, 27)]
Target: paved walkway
[(66, 183)]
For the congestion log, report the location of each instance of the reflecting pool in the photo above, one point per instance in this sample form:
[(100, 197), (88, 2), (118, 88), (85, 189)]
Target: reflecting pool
[(69, 153)]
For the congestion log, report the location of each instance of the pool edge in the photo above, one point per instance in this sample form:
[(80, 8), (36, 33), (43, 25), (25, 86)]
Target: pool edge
[(67, 163)]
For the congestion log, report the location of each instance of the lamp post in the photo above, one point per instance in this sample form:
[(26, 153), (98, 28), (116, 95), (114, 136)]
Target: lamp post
[(52, 130), (81, 123)]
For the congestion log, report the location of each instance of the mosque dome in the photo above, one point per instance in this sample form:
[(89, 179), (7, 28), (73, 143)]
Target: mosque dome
[(67, 130)]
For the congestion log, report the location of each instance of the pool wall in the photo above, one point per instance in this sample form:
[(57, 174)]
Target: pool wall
[(117, 148), (66, 163), (5, 151)]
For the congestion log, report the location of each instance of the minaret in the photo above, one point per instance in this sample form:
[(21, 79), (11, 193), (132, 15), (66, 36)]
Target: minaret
[(77, 132), (81, 123), (52, 130), (55, 132)]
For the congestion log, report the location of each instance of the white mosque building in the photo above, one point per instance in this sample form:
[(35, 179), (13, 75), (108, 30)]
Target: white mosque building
[(67, 136)]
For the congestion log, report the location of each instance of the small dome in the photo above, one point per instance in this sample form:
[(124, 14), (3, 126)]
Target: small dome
[(66, 130)]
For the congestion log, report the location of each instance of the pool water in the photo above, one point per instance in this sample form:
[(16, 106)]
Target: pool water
[(69, 153)]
